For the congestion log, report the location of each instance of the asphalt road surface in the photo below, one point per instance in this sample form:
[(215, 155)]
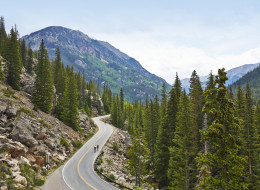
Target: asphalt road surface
[(78, 173)]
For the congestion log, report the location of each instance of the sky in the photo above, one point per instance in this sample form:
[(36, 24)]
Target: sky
[(165, 36)]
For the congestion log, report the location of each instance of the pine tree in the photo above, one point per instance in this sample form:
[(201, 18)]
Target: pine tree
[(57, 66), (43, 86), (69, 114), (172, 108), (14, 65), (240, 103), (249, 132), (182, 153), (3, 36), (138, 154), (222, 167), (197, 103), (1, 72), (23, 51), (29, 66), (161, 156), (256, 149)]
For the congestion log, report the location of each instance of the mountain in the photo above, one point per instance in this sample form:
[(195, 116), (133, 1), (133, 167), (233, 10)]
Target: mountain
[(100, 61), (253, 78), (232, 74)]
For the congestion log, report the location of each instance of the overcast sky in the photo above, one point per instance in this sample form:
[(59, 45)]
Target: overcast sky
[(165, 36)]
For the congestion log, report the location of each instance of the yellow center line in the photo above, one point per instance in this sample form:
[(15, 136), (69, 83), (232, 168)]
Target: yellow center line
[(83, 158)]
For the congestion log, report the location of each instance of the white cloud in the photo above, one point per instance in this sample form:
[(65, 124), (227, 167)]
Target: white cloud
[(165, 59)]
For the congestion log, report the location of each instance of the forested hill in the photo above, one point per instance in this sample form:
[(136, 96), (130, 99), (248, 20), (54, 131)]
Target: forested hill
[(101, 62), (253, 78)]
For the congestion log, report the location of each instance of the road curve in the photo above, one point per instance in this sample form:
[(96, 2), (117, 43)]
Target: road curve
[(78, 173)]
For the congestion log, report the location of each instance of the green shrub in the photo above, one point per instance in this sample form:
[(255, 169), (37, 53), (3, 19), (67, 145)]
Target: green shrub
[(101, 170), (77, 144), (9, 93), (44, 124), (100, 161), (115, 146), (111, 176), (31, 176), (64, 143), (109, 162)]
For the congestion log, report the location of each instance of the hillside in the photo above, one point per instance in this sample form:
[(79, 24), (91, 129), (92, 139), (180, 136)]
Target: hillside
[(32, 143), (253, 78), (232, 74), (101, 62)]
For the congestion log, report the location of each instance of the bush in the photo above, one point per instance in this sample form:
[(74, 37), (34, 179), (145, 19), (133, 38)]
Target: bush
[(115, 146), (31, 176), (100, 161), (111, 176), (44, 124), (64, 143), (109, 162), (77, 144)]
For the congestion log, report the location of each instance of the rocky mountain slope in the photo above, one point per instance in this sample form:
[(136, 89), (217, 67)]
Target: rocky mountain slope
[(232, 74), (253, 78), (32, 142), (100, 61)]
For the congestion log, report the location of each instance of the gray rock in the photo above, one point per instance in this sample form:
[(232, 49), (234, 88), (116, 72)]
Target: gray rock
[(11, 110), (50, 144), (21, 133)]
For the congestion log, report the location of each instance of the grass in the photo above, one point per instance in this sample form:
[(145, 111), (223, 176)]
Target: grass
[(43, 123), (9, 93), (31, 176)]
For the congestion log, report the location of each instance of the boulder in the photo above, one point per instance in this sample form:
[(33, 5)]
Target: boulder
[(21, 133), (50, 144), (11, 110), (39, 161), (31, 159), (18, 179), (4, 188), (41, 136)]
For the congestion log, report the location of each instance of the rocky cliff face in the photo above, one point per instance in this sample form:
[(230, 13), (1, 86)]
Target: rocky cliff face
[(101, 62), (32, 142)]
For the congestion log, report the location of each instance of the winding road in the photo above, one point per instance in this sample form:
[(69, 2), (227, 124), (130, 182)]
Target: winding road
[(78, 173)]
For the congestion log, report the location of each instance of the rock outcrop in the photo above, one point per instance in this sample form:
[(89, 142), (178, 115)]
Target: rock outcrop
[(114, 159)]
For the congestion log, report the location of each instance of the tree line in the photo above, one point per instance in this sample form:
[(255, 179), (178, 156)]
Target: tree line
[(204, 139)]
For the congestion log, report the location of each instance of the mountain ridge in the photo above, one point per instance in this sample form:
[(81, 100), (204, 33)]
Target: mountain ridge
[(233, 75), (102, 62)]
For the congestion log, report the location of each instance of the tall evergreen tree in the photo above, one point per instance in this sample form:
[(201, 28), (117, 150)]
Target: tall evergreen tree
[(23, 51), (182, 153), (43, 86), (69, 114), (14, 65), (197, 103), (255, 165), (29, 65), (240, 103), (138, 154), (222, 167), (1, 72), (249, 132), (3, 36)]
